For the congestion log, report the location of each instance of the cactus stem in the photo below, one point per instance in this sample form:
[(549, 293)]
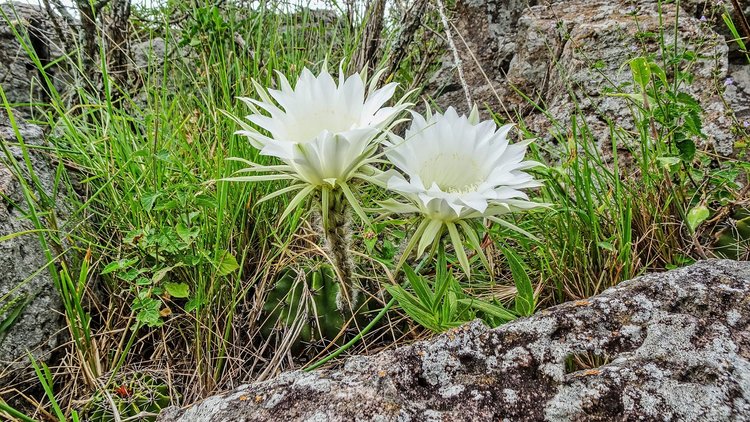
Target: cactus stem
[(336, 227)]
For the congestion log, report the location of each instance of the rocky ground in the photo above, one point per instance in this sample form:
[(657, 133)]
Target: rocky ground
[(546, 61), (669, 346)]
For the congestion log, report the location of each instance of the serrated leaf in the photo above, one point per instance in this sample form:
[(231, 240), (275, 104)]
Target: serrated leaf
[(130, 274), (142, 281), (186, 233), (687, 149), (148, 311)]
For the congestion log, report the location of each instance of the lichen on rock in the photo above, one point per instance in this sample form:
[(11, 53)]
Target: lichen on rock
[(665, 346)]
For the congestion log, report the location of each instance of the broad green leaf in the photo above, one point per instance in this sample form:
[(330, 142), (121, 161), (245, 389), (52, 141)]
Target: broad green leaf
[(641, 71), (687, 149), (696, 216), (160, 274), (227, 264), (659, 72), (142, 281), (148, 311), (668, 162), (119, 265), (178, 290), (186, 233), (148, 200)]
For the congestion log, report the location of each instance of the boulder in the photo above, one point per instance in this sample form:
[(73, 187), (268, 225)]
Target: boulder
[(665, 346), (20, 78), (31, 316), (568, 55)]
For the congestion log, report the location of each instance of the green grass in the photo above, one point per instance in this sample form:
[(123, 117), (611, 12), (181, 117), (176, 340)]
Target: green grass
[(164, 268)]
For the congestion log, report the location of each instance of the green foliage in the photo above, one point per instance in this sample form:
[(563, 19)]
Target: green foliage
[(525, 302), (305, 306), (696, 216), (46, 380), (208, 26), (733, 240), (10, 310), (663, 102), (137, 395), (381, 240), (445, 305), (182, 250)]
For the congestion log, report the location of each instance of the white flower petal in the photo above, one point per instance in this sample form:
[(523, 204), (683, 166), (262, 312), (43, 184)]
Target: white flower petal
[(459, 168), (322, 129)]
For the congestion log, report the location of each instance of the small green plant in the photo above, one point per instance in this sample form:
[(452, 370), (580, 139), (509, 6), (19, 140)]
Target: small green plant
[(445, 305), (160, 252), (139, 396), (304, 305), (733, 239)]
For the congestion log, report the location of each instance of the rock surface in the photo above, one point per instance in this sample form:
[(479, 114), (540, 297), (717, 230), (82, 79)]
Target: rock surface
[(566, 55), (669, 346), (19, 75), (29, 303)]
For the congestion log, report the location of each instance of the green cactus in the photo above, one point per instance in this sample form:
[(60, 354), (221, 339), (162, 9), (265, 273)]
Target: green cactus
[(307, 302), (132, 394), (733, 240)]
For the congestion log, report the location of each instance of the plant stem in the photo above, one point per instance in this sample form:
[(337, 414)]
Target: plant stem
[(367, 329), (337, 237)]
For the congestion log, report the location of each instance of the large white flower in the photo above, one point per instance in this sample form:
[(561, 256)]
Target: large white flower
[(454, 168), (323, 131)]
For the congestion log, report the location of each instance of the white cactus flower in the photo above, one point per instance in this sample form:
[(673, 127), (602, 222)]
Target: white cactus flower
[(324, 132), (454, 168)]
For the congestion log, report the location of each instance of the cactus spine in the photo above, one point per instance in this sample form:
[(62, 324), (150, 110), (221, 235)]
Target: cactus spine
[(337, 240)]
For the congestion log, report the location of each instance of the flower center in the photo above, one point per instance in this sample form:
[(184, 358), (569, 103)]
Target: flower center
[(452, 172), (309, 125)]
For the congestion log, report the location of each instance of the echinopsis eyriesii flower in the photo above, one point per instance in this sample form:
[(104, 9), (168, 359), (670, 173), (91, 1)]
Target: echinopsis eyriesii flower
[(453, 169)]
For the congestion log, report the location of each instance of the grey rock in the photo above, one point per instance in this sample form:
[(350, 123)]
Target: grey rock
[(20, 78), (151, 53), (28, 299), (563, 55), (665, 346)]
